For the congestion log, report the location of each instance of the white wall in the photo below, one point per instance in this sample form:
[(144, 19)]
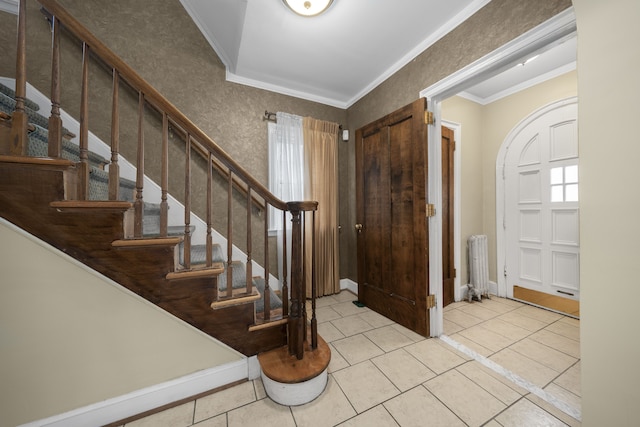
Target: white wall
[(608, 111), (70, 337)]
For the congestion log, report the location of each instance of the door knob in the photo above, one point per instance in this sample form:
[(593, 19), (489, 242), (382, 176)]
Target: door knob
[(359, 227)]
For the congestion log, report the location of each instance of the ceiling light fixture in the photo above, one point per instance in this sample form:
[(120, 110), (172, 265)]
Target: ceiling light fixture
[(308, 7)]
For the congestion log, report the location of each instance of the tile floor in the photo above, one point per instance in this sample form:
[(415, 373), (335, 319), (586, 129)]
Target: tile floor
[(507, 363)]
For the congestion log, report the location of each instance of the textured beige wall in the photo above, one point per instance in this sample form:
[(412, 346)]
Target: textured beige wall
[(491, 27), (608, 109), (71, 338)]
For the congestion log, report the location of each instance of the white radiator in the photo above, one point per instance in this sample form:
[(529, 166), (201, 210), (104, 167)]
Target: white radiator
[(479, 264)]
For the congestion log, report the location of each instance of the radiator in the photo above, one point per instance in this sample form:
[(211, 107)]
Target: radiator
[(479, 263)]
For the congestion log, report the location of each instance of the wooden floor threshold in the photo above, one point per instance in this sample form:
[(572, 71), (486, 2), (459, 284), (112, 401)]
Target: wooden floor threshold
[(553, 302), (216, 269), (84, 205)]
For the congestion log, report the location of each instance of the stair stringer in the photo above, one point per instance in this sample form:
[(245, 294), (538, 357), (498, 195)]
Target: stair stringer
[(26, 193), (152, 190)]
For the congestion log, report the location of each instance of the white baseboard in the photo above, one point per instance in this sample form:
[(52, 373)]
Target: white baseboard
[(349, 285), (137, 402)]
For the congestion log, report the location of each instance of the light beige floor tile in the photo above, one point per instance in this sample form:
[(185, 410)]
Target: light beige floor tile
[(345, 296), (507, 301), (547, 356), (461, 318), (473, 404), (225, 400), (539, 314), (486, 338), (337, 361), (404, 370), (565, 329), (264, 413), (326, 314), (451, 328), (570, 321), (525, 322), (365, 386), (495, 304), (478, 309), (178, 416), (329, 409), (548, 407), (328, 332), (357, 348), (259, 388), (348, 308), (454, 305), (376, 320), (492, 423), (526, 414), (565, 396), (374, 417), (558, 342), (570, 380), (506, 329), (418, 407), (472, 345), (479, 375), (219, 421), (351, 325), (388, 338), (415, 337), (435, 356), (324, 301), (529, 369)]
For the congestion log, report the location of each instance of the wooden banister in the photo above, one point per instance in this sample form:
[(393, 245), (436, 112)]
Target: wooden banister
[(293, 310)]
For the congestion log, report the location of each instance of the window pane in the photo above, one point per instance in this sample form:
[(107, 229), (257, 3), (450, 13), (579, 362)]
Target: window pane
[(556, 193), (571, 173), (556, 176), (572, 193)]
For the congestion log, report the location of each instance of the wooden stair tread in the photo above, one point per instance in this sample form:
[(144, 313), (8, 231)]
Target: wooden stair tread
[(270, 324), (82, 205), (146, 242), (282, 367), (239, 297), (215, 270), (43, 161)]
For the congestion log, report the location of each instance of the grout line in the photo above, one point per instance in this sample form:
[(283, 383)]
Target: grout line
[(530, 387)]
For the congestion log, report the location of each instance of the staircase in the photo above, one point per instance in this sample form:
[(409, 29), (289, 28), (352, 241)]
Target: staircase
[(54, 187)]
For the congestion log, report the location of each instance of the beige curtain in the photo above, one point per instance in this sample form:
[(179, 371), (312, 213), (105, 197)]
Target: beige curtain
[(321, 184)]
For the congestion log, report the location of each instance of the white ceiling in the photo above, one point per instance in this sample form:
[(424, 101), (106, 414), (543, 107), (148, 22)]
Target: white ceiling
[(337, 57)]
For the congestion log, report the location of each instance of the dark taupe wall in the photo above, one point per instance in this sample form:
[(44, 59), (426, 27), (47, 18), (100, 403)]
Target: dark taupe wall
[(491, 27)]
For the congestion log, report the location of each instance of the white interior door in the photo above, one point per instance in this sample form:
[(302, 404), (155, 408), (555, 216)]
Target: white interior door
[(541, 205)]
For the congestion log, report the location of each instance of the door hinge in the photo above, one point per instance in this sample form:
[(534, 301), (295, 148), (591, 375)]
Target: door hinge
[(429, 119), (455, 273), (431, 301), (431, 210)]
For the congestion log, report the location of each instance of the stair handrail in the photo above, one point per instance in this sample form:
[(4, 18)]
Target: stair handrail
[(195, 138)]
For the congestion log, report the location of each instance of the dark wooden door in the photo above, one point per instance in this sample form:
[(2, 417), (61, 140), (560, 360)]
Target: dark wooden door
[(391, 171), (448, 264)]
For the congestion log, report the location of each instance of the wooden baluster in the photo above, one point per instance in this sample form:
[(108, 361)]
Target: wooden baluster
[(209, 209), (187, 205), (83, 165), (139, 203), (55, 122), (296, 318), (18, 138), (114, 166), (267, 293), (164, 177), (249, 266), (303, 291), (285, 271), (229, 271), (314, 321)]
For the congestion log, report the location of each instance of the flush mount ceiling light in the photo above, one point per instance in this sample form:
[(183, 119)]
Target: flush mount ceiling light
[(308, 7)]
